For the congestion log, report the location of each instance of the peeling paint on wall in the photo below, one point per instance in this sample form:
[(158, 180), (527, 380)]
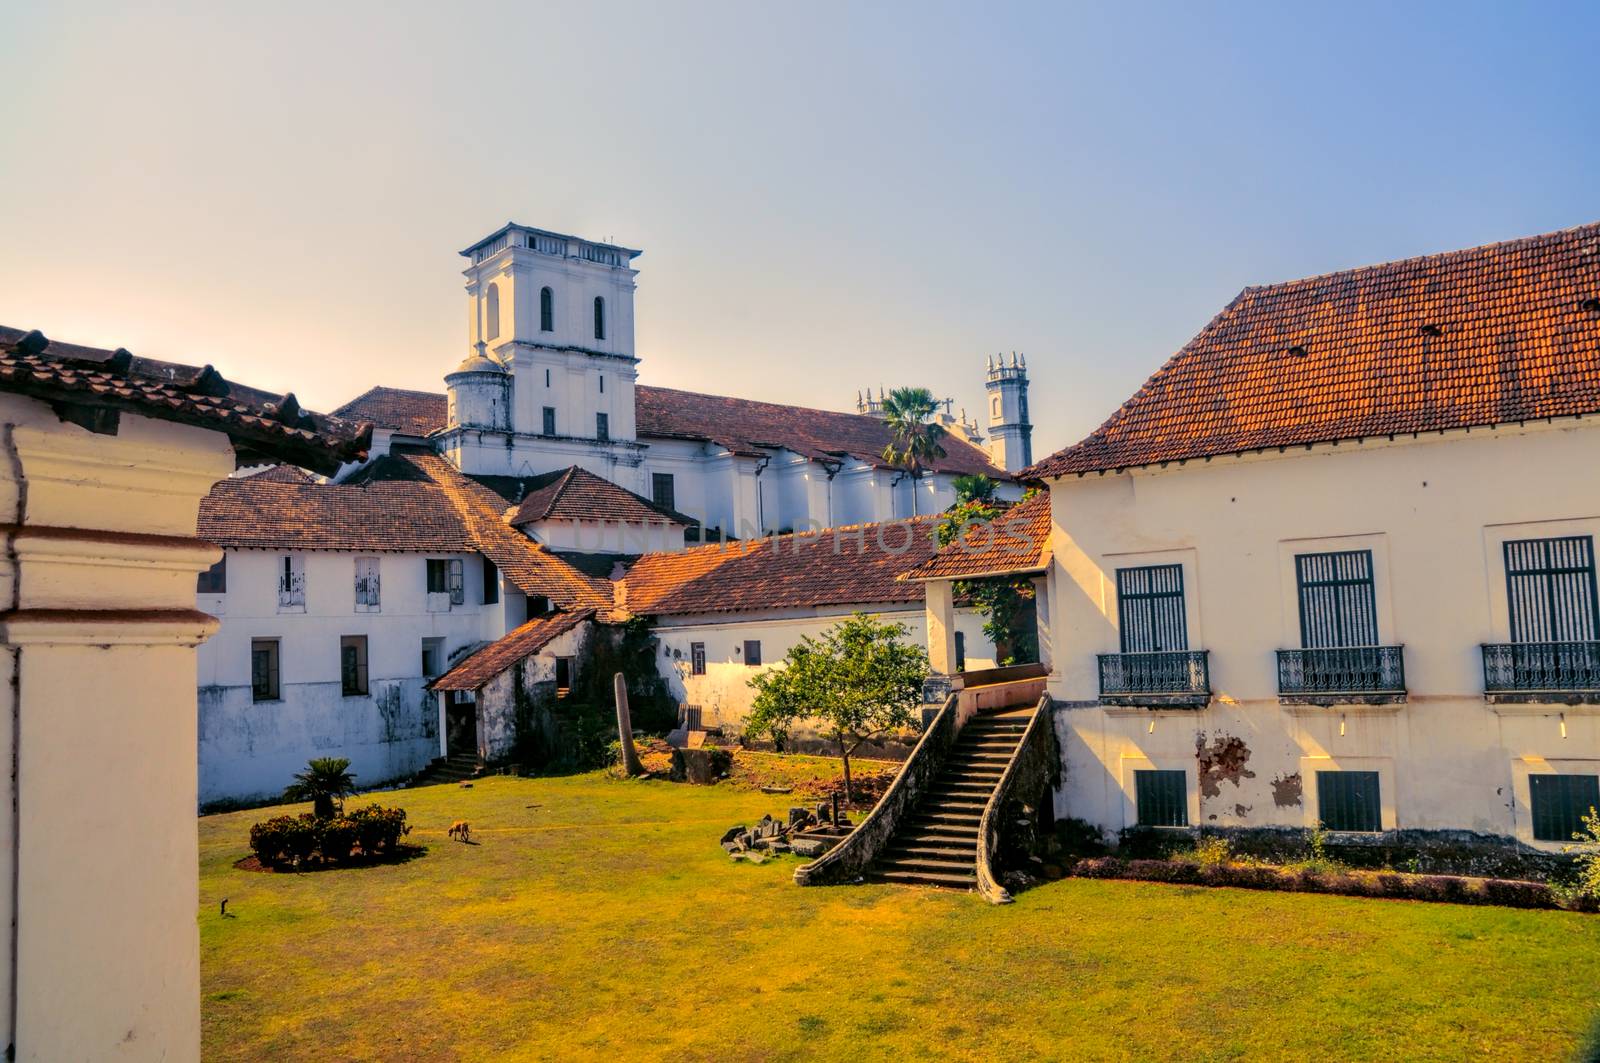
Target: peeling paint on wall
[(1221, 760), (1287, 790)]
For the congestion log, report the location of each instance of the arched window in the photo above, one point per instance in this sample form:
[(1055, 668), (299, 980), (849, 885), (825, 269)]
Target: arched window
[(547, 310), (599, 318), (491, 311)]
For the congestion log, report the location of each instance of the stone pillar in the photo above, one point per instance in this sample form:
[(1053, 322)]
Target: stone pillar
[(99, 632), (939, 607)]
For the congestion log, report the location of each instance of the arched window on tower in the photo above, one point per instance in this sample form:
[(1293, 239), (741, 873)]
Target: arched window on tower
[(547, 310), (599, 318), (491, 312)]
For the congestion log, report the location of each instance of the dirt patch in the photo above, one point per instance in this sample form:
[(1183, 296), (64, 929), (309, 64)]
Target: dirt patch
[(800, 779)]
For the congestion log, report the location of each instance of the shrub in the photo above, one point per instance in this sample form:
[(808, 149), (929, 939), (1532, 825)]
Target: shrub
[(379, 829), (284, 839), (1211, 852), (336, 838)]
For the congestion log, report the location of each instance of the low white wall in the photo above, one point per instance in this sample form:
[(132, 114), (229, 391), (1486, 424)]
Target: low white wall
[(724, 694)]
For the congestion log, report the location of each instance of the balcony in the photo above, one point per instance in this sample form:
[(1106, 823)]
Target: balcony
[(1171, 679), (1563, 672), (1361, 675)]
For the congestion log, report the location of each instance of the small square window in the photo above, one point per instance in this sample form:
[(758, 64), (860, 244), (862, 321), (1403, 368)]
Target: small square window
[(752, 652), (1559, 804), (1162, 798), (214, 580), (1349, 801)]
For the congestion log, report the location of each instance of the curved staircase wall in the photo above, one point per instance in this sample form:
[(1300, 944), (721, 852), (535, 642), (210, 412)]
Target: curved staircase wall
[(849, 860), (1035, 769)]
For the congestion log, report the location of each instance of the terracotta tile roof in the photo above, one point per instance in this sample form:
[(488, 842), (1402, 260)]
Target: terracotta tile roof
[(577, 494), (1016, 541), (516, 645), (403, 502), (412, 412), (745, 426), (528, 565), (392, 506), (856, 565), (283, 474), (93, 387), (1489, 335)]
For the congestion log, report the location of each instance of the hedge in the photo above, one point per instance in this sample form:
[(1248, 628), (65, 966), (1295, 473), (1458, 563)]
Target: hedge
[(1450, 889), (294, 840)]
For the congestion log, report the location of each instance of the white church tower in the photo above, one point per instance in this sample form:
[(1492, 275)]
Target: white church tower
[(1010, 431), (549, 378)]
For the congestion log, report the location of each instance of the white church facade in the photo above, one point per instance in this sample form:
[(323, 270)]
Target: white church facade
[(521, 495)]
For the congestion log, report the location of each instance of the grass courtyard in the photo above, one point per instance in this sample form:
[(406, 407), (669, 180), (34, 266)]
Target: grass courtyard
[(598, 918)]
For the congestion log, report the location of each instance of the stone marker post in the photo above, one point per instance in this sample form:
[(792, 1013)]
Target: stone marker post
[(630, 755)]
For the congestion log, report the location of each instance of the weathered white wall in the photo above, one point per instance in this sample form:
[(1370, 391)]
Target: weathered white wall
[(724, 693), (497, 700), (1434, 512), (251, 749), (98, 851), (606, 537)]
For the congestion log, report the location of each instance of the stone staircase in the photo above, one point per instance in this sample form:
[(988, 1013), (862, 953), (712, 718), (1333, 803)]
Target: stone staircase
[(458, 767), (937, 844)]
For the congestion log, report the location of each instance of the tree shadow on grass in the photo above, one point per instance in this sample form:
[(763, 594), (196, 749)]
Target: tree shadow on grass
[(400, 854), (1589, 1051)]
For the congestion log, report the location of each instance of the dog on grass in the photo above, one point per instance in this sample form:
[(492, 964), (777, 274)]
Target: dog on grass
[(460, 830)]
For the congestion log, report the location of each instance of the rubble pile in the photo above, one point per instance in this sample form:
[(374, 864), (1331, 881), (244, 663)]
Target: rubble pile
[(806, 832)]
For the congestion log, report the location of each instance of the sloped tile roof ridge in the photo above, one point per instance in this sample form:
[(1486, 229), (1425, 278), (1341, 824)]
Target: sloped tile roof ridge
[(521, 642)]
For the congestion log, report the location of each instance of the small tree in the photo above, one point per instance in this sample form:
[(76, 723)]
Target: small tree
[(1588, 850), (324, 782), (860, 679), (974, 487)]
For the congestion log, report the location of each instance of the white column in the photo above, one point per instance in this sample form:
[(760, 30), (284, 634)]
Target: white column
[(939, 605), (99, 630)]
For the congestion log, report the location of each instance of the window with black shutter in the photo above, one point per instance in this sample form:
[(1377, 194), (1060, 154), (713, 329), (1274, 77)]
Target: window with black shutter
[(1550, 589), (752, 652), (353, 665), (1150, 609), (1559, 804), (662, 492), (491, 582), (1349, 801), (1162, 798), (264, 683), (1338, 606)]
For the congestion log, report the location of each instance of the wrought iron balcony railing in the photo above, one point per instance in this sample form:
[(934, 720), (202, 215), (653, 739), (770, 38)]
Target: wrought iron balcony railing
[(1538, 667), (1175, 673), (1342, 670)]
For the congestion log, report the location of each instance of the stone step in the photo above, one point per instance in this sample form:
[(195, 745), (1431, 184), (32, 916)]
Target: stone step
[(951, 803), (922, 878), (953, 819), (925, 864), (935, 850)]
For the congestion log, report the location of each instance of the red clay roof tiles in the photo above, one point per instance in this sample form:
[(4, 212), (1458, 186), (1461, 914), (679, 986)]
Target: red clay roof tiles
[(1490, 335), (578, 494), (856, 565), (1016, 541), (411, 412), (98, 386), (516, 645)]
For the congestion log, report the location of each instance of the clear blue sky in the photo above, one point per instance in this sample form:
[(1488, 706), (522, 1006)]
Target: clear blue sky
[(828, 196)]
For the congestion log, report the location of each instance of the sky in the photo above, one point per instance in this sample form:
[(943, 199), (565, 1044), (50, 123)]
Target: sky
[(829, 196)]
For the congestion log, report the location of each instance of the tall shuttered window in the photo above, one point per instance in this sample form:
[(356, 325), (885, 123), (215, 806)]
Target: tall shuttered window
[(1550, 589), (1150, 609), (1162, 798), (662, 490), (547, 312), (697, 658), (602, 427), (599, 318), (1337, 603), (1349, 801), (1559, 804), (491, 582), (264, 683), (353, 665)]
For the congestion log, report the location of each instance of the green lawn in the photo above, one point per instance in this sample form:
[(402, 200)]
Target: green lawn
[(598, 918)]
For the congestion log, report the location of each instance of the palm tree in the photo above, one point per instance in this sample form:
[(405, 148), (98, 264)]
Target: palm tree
[(324, 781), (913, 434), (973, 487)]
